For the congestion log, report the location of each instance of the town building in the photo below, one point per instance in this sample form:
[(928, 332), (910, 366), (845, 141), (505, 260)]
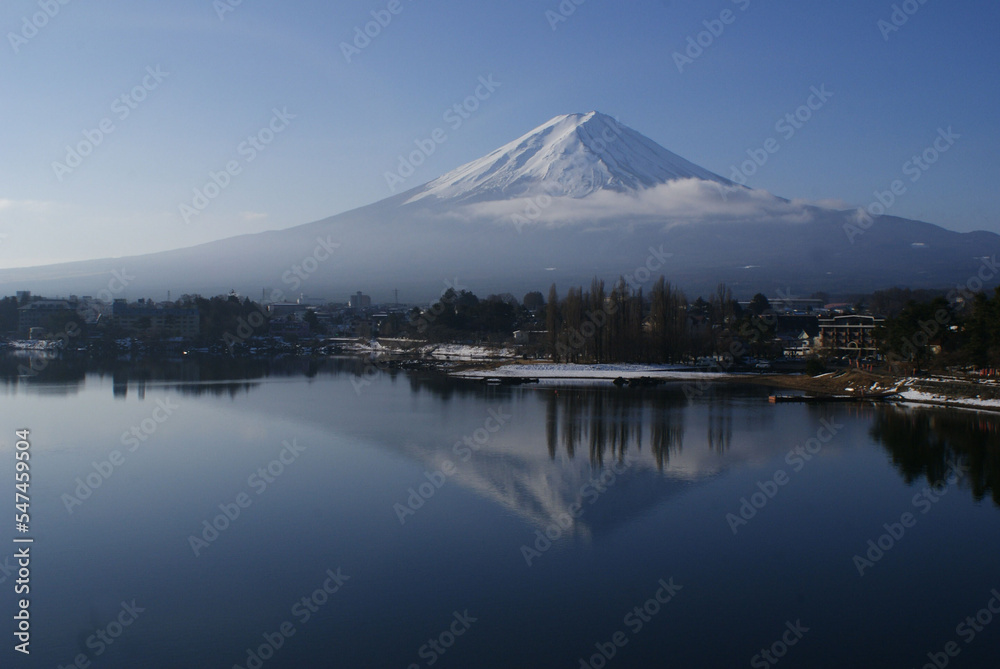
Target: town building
[(796, 346), (850, 334), (145, 319), (359, 302), (283, 309), (795, 304), (288, 327), (38, 314), (530, 336)]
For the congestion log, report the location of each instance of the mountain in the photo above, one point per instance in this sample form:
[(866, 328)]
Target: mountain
[(579, 196), (573, 155)]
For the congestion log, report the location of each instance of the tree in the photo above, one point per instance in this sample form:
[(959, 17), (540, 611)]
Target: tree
[(570, 339), (65, 321), (982, 329), (724, 309), (496, 315), (668, 322), (391, 326), (467, 301), (445, 309), (225, 315), (759, 304), (909, 336), (658, 320), (815, 367), (313, 322), (618, 337), (552, 322), (8, 314), (533, 300), (597, 316)]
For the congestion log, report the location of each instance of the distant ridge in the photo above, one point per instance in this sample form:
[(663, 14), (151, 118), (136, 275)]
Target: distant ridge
[(580, 195)]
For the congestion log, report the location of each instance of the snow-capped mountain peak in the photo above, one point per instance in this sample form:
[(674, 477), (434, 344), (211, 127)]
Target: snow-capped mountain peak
[(571, 155)]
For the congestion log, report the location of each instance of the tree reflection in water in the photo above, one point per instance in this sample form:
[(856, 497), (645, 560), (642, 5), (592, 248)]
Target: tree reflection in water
[(720, 423), (923, 444), (610, 422), (191, 375)]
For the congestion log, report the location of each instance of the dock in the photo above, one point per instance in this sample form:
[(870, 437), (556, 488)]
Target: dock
[(822, 399), (509, 380)]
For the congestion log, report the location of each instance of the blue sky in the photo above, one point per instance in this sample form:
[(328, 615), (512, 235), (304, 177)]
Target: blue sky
[(222, 80)]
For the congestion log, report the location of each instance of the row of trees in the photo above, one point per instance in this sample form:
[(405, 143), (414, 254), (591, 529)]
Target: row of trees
[(605, 327), (461, 315), (982, 331), (620, 324), (221, 315), (938, 331), (624, 325)]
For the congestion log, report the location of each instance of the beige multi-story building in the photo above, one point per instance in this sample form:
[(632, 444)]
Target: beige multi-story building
[(852, 334)]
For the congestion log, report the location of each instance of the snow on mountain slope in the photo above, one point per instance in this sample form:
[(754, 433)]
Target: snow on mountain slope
[(573, 155)]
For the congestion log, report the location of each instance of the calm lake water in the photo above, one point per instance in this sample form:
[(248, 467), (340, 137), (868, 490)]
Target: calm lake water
[(408, 521)]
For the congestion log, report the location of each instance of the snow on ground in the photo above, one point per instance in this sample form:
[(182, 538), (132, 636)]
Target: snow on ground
[(955, 379), (570, 371), (464, 352), (439, 352), (34, 344), (922, 397)]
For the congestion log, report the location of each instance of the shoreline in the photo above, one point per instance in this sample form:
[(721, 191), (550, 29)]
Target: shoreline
[(500, 366), (938, 391)]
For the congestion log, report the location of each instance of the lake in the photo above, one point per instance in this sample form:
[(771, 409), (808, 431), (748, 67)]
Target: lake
[(309, 514)]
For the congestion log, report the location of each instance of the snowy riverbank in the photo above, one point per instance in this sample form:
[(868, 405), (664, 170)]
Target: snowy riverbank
[(908, 393), (609, 372), (944, 391)]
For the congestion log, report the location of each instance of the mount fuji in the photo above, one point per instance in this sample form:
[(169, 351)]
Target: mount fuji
[(579, 196), (574, 156)]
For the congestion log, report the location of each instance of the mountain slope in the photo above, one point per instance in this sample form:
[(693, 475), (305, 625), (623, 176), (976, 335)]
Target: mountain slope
[(577, 197)]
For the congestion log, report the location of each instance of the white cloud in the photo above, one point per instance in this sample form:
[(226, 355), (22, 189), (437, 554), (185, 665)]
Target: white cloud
[(826, 203), (26, 206), (679, 202)]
